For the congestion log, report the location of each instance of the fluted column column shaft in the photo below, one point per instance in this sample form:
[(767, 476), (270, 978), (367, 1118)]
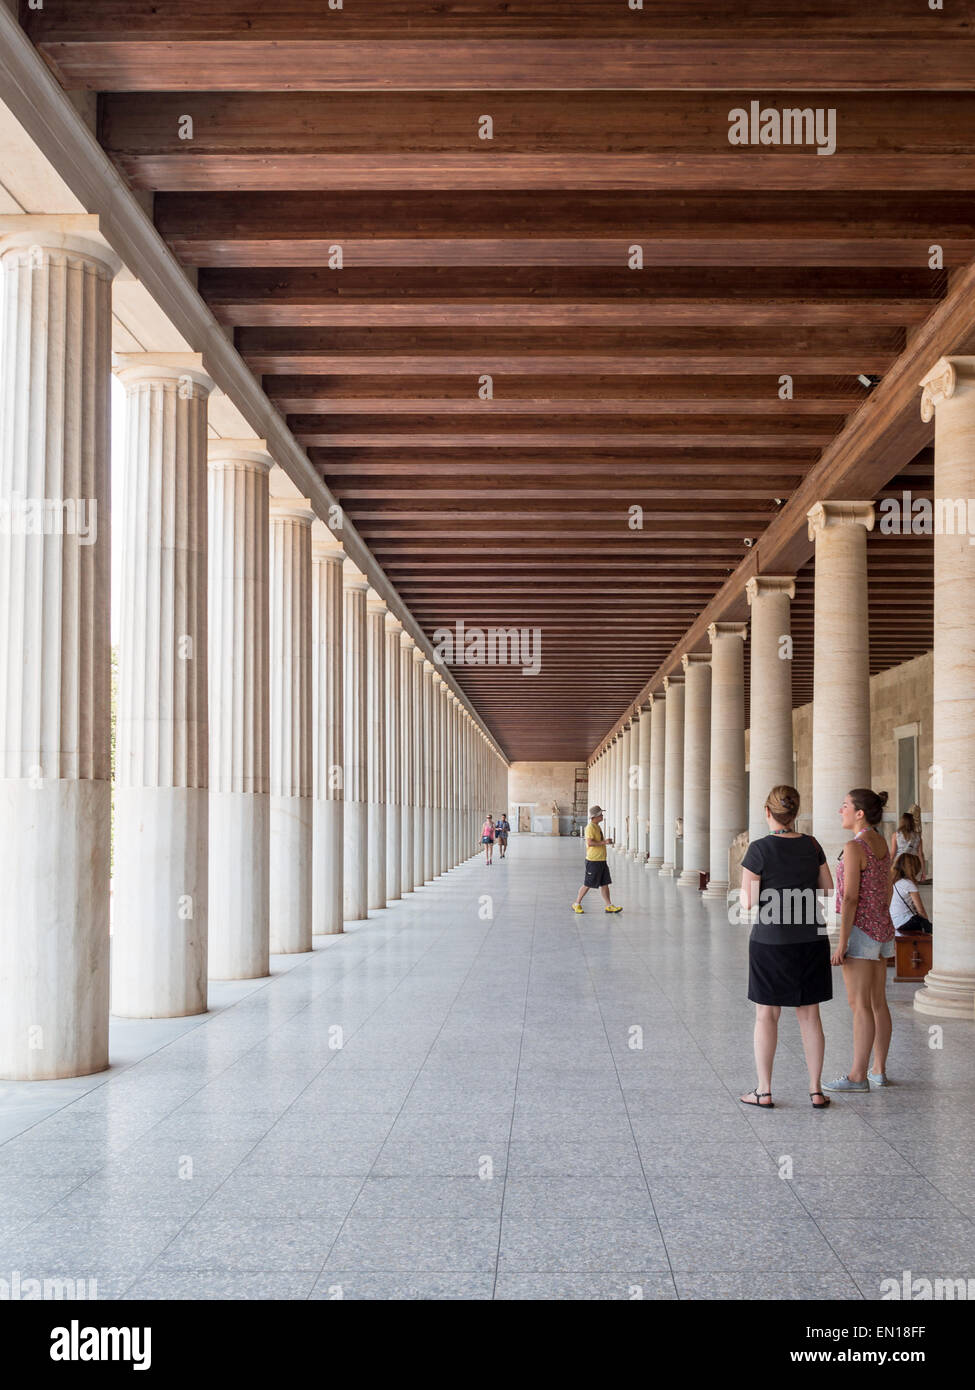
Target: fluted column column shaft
[(643, 791), (407, 741), (841, 672), (658, 737), (697, 767), (159, 945), (55, 656), (327, 685), (394, 811), (673, 771), (419, 772), (376, 779), (291, 727), (429, 749), (729, 811), (356, 738), (239, 696), (770, 694), (633, 783), (949, 987)]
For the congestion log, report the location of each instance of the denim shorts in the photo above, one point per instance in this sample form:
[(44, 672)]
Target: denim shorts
[(863, 947)]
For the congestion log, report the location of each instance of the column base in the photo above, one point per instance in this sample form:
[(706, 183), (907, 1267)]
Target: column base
[(291, 875), (666, 871), (716, 889), (654, 863), (946, 994), (377, 855), (355, 887), (326, 894), (690, 878)]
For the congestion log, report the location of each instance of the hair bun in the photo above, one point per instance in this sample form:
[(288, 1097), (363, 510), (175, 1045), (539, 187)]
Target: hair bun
[(883, 798)]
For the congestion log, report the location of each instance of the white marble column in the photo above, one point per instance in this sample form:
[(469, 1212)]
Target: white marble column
[(643, 795), (55, 756), (697, 767), (239, 695), (451, 779), (419, 771), (159, 919), (440, 758), (429, 751), (673, 771), (658, 737), (612, 786), (327, 558), (729, 810), (633, 775), (291, 726), (949, 395), (841, 674), (394, 809), (407, 751), (356, 737), (376, 778), (770, 694)]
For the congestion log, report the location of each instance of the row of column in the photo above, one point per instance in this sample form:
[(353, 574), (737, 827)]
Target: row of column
[(680, 756), (286, 757)]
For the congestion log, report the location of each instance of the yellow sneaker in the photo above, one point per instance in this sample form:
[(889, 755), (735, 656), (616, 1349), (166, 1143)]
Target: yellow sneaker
[(614, 909), (577, 907)]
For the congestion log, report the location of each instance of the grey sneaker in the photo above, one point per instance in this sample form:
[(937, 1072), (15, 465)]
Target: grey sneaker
[(877, 1079), (843, 1083)]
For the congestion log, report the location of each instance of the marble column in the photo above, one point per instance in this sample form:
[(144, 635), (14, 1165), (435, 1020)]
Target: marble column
[(443, 781), (407, 754), (159, 936), (394, 807), (55, 655), (239, 700), (429, 750), (633, 784), (355, 742), (697, 767), (376, 758), (291, 726), (658, 736), (451, 780), (841, 655), (729, 810), (673, 771), (419, 771), (643, 796), (770, 694), (949, 396), (327, 558)]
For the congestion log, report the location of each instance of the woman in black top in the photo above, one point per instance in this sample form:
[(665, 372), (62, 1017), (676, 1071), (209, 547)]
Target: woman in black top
[(788, 953)]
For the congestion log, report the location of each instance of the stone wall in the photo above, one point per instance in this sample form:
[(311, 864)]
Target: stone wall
[(541, 783)]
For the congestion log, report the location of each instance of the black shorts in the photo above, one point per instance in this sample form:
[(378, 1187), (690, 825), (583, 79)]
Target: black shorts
[(597, 873)]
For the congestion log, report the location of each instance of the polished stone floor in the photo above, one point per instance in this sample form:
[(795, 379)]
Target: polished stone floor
[(477, 1094)]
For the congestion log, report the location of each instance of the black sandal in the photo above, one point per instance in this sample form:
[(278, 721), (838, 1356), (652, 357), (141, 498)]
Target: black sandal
[(757, 1103), (812, 1100)]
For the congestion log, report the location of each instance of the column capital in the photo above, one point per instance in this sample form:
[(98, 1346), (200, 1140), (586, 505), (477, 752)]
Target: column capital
[(829, 516), (647, 704), (393, 623), (942, 382), (428, 666), (353, 578), (761, 584), (325, 544), (184, 368), (375, 603), (291, 509), (75, 235), (237, 453), (418, 654), (670, 681), (716, 630), (695, 659), (405, 640)]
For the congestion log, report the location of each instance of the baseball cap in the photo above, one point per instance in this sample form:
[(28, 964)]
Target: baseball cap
[(595, 811)]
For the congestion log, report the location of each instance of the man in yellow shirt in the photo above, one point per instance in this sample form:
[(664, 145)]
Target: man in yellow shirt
[(597, 870)]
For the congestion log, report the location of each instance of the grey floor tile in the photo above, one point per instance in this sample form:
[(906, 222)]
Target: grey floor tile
[(702, 1244), (576, 1288), (892, 1245), (800, 1287), (372, 1245), (267, 1246), (536, 1246), (419, 1198), (199, 1285), (386, 1288)]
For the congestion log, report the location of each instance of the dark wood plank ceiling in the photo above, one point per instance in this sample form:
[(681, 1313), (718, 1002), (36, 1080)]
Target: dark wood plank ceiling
[(613, 388)]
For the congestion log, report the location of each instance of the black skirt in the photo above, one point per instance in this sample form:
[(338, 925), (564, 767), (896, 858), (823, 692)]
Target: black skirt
[(789, 975)]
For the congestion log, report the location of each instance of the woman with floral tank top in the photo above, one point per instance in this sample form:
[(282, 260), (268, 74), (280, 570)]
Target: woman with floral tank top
[(866, 937)]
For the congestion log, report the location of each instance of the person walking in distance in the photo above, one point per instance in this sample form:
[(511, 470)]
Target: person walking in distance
[(597, 870), (501, 828), (487, 838)]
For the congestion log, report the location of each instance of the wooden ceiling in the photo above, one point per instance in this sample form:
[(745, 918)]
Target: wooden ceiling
[(613, 387)]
